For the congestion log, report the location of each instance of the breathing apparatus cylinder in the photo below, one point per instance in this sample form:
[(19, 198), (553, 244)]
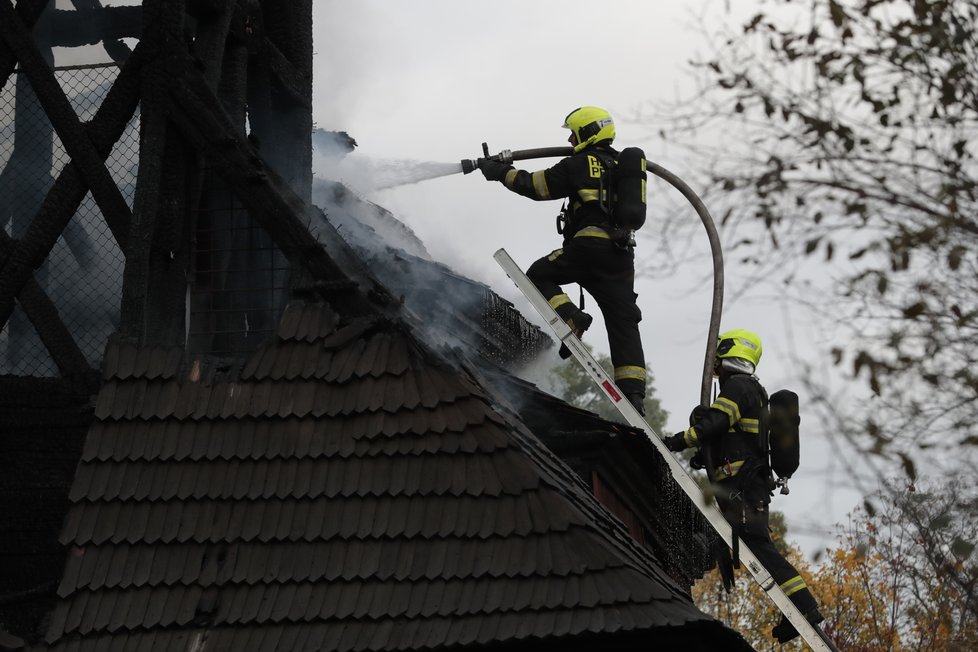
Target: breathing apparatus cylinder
[(630, 179), (783, 433)]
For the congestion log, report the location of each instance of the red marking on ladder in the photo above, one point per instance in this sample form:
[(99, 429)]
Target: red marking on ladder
[(612, 392)]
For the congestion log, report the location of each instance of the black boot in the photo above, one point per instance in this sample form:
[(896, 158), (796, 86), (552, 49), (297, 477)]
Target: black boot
[(578, 324), (784, 631)]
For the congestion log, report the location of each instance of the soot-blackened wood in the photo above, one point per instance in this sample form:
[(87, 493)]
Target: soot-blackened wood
[(169, 263), (281, 123), (233, 88), (48, 323), (195, 110), (153, 212), (210, 40), (114, 47), (170, 250), (84, 155), (91, 25), (29, 12), (284, 75), (288, 26), (69, 189)]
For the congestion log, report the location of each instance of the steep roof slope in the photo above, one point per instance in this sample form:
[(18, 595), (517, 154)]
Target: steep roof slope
[(345, 490)]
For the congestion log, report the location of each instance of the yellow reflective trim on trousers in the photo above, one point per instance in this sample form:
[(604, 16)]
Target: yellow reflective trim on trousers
[(750, 425), (509, 178), (540, 184), (630, 372), (794, 585), (691, 438), (592, 232), (558, 300), (728, 470), (728, 407)]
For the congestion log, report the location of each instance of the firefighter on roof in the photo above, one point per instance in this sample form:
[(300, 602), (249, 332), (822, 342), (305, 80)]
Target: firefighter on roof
[(731, 430), (598, 251)]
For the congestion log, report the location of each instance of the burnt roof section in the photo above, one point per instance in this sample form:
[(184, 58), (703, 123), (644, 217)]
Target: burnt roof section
[(345, 491), (453, 309)]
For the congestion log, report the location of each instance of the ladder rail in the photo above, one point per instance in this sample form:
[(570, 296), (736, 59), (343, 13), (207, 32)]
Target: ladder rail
[(813, 636)]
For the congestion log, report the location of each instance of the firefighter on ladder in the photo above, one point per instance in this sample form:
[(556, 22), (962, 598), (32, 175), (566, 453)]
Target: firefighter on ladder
[(595, 253), (730, 430)]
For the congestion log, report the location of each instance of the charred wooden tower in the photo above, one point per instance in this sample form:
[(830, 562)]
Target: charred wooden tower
[(154, 190)]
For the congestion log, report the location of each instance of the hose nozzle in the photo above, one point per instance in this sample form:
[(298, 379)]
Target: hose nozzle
[(470, 164)]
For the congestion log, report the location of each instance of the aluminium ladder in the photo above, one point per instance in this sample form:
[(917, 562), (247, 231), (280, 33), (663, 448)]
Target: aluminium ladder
[(813, 635)]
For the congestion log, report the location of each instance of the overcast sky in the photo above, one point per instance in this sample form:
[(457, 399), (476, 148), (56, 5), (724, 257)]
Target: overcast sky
[(430, 80)]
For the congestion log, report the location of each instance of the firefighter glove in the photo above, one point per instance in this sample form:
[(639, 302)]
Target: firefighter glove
[(699, 412), (697, 462), (676, 443), (493, 170)]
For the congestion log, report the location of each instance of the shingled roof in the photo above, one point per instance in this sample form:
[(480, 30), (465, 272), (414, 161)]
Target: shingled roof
[(346, 489)]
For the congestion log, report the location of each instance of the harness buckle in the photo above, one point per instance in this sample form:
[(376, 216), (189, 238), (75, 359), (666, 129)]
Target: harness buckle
[(562, 219)]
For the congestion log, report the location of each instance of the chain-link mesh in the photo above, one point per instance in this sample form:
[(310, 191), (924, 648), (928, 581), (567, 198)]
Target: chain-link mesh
[(240, 279), (83, 274)]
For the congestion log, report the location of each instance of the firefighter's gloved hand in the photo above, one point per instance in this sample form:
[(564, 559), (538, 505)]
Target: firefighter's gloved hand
[(676, 443), (698, 413), (493, 170), (696, 462)]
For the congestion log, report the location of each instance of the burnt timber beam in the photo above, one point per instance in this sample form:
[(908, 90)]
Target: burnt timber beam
[(283, 73), (116, 48), (93, 24), (84, 155), (154, 213), (247, 26), (29, 11), (233, 87), (62, 200), (195, 110), (287, 25), (48, 323), (281, 123), (211, 39)]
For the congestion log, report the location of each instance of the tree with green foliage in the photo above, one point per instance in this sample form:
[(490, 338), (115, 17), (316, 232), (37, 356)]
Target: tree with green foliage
[(844, 131), (577, 388)]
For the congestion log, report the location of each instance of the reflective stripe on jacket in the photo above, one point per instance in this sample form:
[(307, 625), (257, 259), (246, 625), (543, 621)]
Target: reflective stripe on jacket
[(576, 178), (731, 427)]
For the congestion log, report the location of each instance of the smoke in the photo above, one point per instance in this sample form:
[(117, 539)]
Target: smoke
[(452, 311)]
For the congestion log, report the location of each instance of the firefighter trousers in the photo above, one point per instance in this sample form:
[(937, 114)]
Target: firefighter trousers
[(607, 272), (746, 508)]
